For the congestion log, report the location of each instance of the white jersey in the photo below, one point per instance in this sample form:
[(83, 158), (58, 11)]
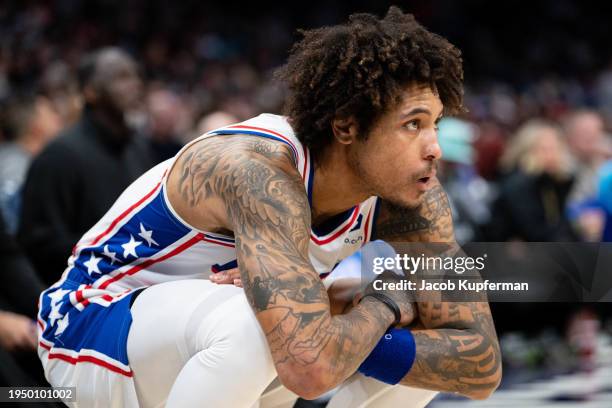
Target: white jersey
[(85, 319), (141, 241)]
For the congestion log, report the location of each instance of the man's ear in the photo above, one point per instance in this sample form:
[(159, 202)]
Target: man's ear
[(345, 129)]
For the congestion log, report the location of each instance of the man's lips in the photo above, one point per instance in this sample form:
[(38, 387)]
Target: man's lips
[(424, 182), (426, 177)]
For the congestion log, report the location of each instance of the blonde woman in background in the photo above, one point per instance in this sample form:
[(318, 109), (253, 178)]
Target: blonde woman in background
[(531, 204)]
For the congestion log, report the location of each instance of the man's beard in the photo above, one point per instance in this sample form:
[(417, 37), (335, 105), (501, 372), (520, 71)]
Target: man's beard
[(390, 194)]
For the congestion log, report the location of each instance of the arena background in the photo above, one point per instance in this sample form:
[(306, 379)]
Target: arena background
[(539, 66)]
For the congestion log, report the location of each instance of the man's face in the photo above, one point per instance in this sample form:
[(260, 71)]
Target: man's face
[(118, 82), (398, 160), (587, 136)]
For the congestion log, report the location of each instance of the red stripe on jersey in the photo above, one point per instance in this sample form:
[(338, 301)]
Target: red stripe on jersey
[(337, 234), (149, 262), (305, 163), (367, 224), (226, 244), (85, 359)]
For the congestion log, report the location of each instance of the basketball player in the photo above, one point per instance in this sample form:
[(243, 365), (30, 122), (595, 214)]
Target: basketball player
[(134, 320)]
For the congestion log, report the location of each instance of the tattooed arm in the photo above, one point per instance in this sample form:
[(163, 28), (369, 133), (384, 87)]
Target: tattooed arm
[(267, 209), (457, 351)]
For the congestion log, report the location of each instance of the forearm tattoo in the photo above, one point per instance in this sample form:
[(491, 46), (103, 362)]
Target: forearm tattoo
[(457, 351), (267, 206)]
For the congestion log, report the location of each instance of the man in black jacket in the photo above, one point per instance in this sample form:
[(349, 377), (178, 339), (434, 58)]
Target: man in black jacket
[(74, 181)]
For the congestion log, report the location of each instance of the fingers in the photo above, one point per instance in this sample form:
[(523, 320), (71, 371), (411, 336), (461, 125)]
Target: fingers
[(231, 276), (19, 334), (24, 341), (221, 278)]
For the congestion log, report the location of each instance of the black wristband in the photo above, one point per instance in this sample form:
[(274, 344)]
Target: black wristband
[(390, 303)]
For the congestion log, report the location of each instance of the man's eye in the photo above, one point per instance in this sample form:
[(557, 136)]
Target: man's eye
[(413, 125)]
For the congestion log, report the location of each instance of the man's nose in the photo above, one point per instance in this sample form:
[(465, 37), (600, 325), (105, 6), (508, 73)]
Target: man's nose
[(431, 148)]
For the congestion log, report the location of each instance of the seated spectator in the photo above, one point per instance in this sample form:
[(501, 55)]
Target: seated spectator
[(59, 85), (469, 194), (532, 198), (34, 123), (166, 114), (213, 121), (585, 135)]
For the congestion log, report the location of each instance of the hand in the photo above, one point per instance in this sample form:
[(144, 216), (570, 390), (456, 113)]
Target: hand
[(403, 298), (17, 332), (341, 294), (231, 276)]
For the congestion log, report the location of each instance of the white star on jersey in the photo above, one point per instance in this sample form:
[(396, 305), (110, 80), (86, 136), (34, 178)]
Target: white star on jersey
[(55, 314), (61, 325), (92, 264), (129, 248), (57, 295), (110, 255), (147, 235)]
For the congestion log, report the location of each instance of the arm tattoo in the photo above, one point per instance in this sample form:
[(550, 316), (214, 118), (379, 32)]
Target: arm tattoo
[(458, 349), (459, 353), (267, 206)]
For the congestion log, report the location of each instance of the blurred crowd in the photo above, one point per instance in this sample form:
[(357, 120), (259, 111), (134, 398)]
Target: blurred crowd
[(91, 97)]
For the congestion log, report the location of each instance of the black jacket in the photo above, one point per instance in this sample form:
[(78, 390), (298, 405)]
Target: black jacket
[(20, 286), (531, 208), (70, 185)]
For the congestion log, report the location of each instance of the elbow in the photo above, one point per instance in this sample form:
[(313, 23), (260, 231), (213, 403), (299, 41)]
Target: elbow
[(481, 393), (484, 387), (307, 383)]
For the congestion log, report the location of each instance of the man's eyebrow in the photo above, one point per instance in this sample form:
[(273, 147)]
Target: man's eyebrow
[(415, 111)]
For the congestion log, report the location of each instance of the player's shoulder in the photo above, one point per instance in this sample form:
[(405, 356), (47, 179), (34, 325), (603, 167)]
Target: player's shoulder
[(229, 163), (263, 137)]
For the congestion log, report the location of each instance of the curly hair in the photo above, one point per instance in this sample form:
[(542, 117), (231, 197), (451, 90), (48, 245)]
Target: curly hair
[(359, 68)]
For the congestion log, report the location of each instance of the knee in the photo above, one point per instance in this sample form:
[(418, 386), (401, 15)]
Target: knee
[(233, 329)]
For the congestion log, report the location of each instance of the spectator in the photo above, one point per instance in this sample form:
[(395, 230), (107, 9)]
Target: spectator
[(74, 181), (166, 112), (214, 120), (60, 87), (586, 138), (532, 199), (585, 134), (469, 194), (34, 123)]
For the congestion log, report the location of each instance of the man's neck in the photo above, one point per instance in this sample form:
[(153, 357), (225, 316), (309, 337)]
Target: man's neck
[(336, 188), (113, 123)]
